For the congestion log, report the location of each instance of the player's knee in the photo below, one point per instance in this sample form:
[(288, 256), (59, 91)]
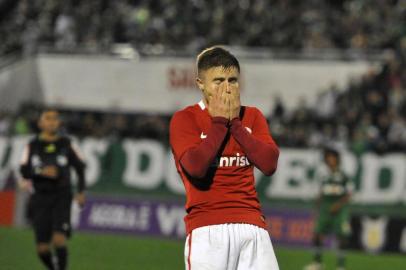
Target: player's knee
[(342, 242), (318, 239), (59, 239), (43, 248)]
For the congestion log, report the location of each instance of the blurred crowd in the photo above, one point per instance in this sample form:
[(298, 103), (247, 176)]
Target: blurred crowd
[(190, 25), (368, 115)]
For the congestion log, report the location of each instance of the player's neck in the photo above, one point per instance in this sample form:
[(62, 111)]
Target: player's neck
[(49, 137), (205, 103)]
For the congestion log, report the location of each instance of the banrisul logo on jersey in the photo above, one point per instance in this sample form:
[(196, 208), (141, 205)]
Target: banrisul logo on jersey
[(231, 161)]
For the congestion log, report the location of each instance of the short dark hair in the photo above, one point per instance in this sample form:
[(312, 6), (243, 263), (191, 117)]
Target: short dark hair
[(216, 57), (48, 109), (331, 151)]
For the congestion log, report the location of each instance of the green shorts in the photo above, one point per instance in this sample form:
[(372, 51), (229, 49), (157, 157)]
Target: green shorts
[(337, 224)]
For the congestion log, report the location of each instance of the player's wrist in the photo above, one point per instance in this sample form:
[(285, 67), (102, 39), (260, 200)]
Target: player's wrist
[(235, 124), (235, 121), (220, 120)]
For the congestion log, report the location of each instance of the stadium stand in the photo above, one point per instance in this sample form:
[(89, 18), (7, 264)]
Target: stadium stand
[(285, 24)]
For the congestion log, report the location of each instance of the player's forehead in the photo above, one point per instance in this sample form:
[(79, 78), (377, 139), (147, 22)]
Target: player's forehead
[(49, 114), (331, 158), (331, 155), (220, 71)]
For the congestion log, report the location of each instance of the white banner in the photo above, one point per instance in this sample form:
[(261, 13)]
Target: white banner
[(168, 84)]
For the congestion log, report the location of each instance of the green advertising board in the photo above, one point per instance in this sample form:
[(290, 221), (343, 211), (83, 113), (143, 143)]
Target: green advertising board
[(145, 167)]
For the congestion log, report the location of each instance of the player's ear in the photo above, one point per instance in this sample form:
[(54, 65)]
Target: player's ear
[(200, 84)]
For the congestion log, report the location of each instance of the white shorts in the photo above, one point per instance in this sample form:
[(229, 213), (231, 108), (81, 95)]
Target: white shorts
[(229, 247)]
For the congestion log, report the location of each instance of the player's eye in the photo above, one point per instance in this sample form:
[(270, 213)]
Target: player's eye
[(218, 81), (233, 80)]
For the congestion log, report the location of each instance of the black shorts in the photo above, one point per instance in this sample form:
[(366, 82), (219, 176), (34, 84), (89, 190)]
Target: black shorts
[(50, 212)]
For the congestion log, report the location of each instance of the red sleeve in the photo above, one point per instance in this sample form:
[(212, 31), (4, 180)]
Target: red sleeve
[(259, 146), (194, 154)]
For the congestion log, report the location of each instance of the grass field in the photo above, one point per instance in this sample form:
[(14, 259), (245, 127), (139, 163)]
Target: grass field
[(105, 252)]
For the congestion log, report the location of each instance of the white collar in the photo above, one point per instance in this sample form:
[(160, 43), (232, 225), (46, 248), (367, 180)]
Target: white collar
[(201, 105)]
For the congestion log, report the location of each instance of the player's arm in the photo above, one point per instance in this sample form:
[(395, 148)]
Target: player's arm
[(340, 203), (76, 160), (194, 154), (318, 176), (26, 170), (259, 146)]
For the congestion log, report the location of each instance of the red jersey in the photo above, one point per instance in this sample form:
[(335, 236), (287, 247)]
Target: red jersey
[(223, 191)]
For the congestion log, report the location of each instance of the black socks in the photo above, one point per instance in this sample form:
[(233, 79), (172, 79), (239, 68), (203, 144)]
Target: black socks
[(46, 258), (62, 255), (317, 250)]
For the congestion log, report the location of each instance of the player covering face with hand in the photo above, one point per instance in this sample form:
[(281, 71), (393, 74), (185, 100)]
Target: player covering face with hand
[(45, 167), (216, 144)]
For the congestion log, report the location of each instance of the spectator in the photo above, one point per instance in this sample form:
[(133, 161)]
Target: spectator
[(21, 126), (64, 31), (285, 24), (4, 124)]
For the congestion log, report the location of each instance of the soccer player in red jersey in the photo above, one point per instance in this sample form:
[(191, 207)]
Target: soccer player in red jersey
[(216, 144)]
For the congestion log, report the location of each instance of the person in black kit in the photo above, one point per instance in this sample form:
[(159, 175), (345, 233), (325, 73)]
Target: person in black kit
[(45, 167)]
